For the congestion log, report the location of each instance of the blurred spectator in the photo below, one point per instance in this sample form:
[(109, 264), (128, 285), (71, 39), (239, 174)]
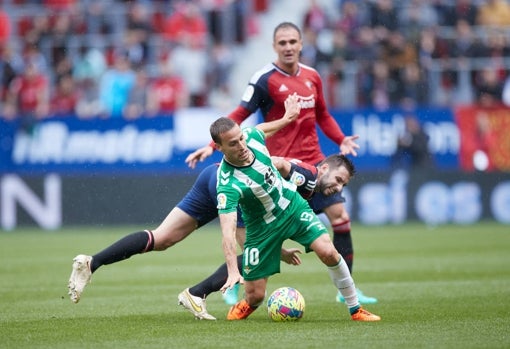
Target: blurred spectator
[(88, 105), (134, 49), (5, 27), (366, 50), (115, 85), (139, 28), (28, 95), (221, 60), (350, 20), (7, 73), (413, 90), (494, 13), (315, 18), (167, 92), (415, 16), (60, 5), (64, 98), (341, 52), (60, 36), (465, 10), (383, 18), (311, 53), (412, 146), (378, 88), (137, 100), (465, 44), (36, 29), (190, 60), (99, 17), (489, 88), (33, 55), (186, 24), (90, 63), (398, 53)]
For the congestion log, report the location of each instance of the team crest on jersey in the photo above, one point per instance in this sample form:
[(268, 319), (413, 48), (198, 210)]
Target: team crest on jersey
[(297, 178), (222, 201), (308, 84)]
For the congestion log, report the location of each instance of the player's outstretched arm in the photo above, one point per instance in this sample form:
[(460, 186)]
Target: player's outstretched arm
[(228, 222)]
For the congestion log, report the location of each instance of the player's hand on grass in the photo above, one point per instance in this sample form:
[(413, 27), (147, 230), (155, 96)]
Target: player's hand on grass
[(291, 256), (199, 155)]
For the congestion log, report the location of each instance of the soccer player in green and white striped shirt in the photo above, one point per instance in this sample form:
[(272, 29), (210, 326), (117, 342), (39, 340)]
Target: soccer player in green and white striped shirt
[(273, 212)]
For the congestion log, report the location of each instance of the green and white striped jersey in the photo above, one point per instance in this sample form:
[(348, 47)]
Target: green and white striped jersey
[(259, 188)]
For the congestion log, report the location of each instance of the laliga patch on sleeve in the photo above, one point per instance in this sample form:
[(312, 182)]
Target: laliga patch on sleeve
[(297, 178), (222, 201), (248, 93)]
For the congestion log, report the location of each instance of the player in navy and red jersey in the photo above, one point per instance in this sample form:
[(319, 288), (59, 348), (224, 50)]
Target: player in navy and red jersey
[(327, 179), (265, 92)]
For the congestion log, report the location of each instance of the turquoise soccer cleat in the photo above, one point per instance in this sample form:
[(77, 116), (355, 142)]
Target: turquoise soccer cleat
[(230, 296), (361, 297)]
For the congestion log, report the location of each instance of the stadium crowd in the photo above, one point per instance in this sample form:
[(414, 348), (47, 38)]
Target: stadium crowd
[(113, 58)]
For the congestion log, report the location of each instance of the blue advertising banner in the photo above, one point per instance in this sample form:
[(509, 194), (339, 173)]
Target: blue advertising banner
[(378, 132), (160, 145)]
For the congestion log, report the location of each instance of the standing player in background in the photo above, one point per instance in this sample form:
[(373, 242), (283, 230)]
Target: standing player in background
[(266, 92)]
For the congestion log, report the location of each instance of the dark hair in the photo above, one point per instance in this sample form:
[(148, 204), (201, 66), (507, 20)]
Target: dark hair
[(220, 126), (338, 160), (285, 25)]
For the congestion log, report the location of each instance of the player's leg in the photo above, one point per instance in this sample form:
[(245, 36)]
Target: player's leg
[(176, 226), (341, 277), (255, 291), (216, 280), (198, 207), (342, 240), (213, 282)]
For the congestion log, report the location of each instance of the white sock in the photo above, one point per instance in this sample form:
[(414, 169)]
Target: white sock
[(342, 279)]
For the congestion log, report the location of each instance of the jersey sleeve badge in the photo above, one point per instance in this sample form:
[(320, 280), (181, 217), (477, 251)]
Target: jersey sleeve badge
[(222, 201)]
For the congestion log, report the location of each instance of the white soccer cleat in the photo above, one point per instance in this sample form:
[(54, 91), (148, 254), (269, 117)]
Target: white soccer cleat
[(195, 305), (80, 276)]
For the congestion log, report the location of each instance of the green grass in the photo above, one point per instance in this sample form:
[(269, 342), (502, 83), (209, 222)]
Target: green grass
[(443, 287)]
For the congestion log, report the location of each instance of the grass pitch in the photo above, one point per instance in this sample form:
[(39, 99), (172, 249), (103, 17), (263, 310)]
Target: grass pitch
[(442, 287)]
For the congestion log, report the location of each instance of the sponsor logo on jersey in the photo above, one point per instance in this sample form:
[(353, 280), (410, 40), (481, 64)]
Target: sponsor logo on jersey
[(297, 178), (307, 102), (283, 88), (222, 201)]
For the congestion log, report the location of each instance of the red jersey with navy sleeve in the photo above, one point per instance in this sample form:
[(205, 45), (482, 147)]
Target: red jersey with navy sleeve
[(267, 91)]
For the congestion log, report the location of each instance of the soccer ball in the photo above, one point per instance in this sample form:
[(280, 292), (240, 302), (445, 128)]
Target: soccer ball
[(285, 304)]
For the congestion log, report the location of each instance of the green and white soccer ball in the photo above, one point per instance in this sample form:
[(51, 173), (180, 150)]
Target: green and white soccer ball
[(285, 304)]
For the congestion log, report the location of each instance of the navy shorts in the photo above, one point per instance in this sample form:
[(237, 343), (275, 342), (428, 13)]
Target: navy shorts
[(200, 202)]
